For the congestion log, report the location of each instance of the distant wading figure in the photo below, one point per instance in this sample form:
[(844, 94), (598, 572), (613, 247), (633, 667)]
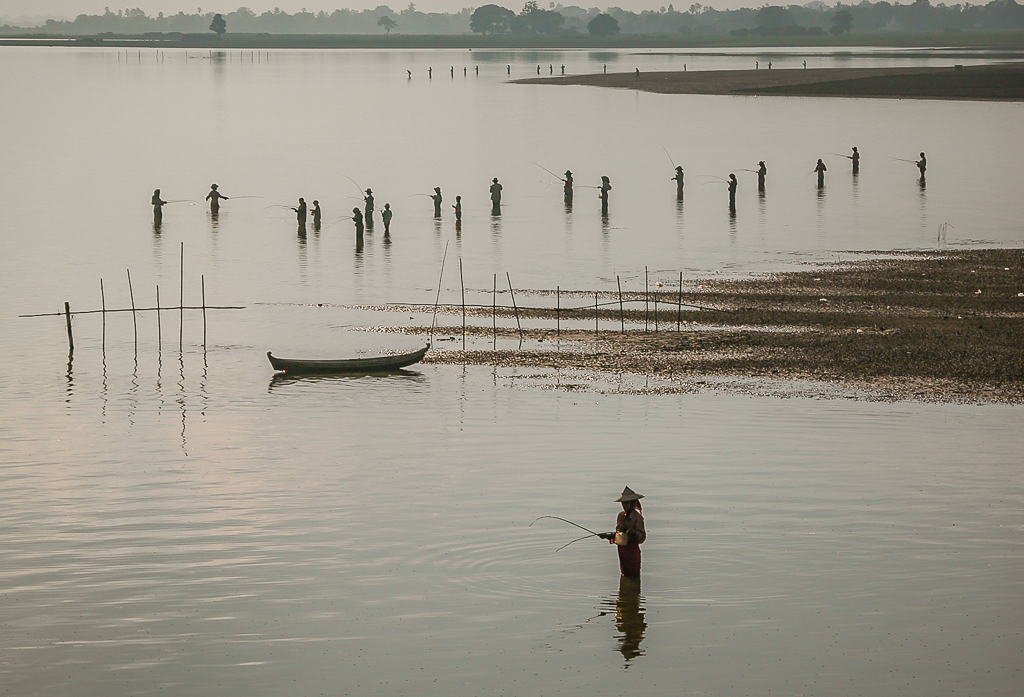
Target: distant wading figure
[(357, 218), (300, 212), (458, 209), (316, 216), (922, 165), (495, 197), (732, 192), (761, 172), (855, 158), (567, 186), (385, 216), (820, 168), (436, 198), (606, 187), (214, 198), (369, 208), (678, 179), (629, 533), (158, 204)]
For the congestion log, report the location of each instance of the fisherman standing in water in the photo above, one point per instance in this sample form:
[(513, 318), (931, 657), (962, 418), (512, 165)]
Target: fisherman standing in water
[(458, 209), (357, 218), (385, 216), (316, 216), (678, 179), (761, 172), (606, 186), (820, 168), (369, 208), (495, 197), (629, 533), (214, 198), (732, 192), (436, 198), (158, 205), (300, 212), (567, 187), (855, 158), (922, 165)]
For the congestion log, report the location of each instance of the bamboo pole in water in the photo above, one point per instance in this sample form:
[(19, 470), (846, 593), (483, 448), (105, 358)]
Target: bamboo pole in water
[(135, 322), (494, 311), (181, 299), (515, 308), (103, 304), (597, 328), (202, 284), (159, 330), (558, 312), (647, 300), (462, 282), (67, 319), (622, 318), (679, 307)]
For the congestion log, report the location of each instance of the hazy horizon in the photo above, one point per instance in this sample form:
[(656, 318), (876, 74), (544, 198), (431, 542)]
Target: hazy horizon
[(41, 10)]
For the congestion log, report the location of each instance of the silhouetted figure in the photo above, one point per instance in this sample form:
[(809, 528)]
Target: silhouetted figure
[(855, 158), (453, 72), (637, 73), (563, 68), (567, 186), (508, 69), (430, 73), (464, 69), (158, 204), (606, 187), (805, 65), (317, 217), (477, 68), (551, 68), (458, 209), (769, 65), (605, 68), (357, 219), (495, 197), (436, 198), (385, 216), (300, 212), (820, 168), (757, 65), (409, 72), (538, 70), (732, 192), (761, 172), (678, 179), (922, 165), (214, 198), (369, 207)]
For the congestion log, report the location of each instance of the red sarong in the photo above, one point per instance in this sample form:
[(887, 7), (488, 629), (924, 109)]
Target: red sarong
[(629, 560)]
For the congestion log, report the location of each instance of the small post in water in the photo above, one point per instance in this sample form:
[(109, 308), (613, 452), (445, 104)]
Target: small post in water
[(462, 282), (202, 285), (67, 318), (103, 305), (159, 332), (622, 317), (679, 305), (558, 313), (597, 329), (181, 299), (515, 308), (494, 312), (647, 299), (135, 323)]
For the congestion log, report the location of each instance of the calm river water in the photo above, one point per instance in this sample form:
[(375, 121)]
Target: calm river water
[(179, 522)]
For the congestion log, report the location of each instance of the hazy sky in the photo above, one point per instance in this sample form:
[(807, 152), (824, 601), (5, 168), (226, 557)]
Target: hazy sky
[(61, 9)]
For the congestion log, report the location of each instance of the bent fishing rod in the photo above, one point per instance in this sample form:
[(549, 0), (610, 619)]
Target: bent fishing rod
[(549, 172), (585, 537)]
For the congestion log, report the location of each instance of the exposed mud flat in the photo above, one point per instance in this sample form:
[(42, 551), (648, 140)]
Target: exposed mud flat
[(945, 326)]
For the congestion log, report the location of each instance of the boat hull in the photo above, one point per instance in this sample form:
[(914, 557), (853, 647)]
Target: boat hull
[(378, 364)]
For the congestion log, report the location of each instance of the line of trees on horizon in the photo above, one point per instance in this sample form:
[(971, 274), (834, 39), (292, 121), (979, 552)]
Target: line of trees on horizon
[(812, 18)]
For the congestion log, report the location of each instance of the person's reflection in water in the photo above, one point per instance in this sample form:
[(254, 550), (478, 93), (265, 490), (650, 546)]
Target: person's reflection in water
[(629, 618)]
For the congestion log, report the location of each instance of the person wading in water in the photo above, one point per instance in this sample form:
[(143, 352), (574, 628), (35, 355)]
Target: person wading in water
[(629, 533), (436, 198), (678, 179), (158, 205), (214, 198)]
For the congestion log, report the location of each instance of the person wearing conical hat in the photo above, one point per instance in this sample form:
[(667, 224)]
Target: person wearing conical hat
[(629, 533)]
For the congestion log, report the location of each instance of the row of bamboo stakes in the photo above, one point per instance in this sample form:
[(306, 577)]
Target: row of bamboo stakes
[(67, 313)]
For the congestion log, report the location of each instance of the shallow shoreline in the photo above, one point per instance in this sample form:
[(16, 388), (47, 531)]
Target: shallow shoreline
[(1002, 82), (932, 326)]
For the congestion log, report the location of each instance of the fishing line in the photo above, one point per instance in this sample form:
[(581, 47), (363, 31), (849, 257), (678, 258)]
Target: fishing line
[(437, 299), (669, 157), (565, 521), (549, 172)]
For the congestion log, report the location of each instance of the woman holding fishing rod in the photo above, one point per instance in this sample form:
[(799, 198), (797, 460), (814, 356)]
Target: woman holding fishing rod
[(629, 533)]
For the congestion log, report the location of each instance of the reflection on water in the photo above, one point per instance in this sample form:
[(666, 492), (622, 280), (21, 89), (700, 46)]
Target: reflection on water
[(629, 618)]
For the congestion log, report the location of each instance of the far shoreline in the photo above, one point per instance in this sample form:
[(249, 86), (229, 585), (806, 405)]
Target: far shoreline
[(999, 82)]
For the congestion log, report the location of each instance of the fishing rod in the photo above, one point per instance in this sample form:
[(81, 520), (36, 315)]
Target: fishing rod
[(427, 195), (184, 200), (848, 157), (354, 182), (669, 157), (564, 521), (585, 537), (244, 197), (549, 172), (433, 322), (277, 205), (900, 159), (714, 176)]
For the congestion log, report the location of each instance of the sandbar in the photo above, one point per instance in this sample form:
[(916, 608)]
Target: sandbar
[(1000, 82)]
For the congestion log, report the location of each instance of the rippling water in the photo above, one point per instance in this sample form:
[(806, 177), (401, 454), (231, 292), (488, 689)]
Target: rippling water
[(184, 523)]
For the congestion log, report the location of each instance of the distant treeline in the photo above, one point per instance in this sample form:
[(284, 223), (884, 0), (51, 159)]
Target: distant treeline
[(814, 18)]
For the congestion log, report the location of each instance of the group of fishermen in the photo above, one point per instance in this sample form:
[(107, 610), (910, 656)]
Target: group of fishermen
[(364, 219)]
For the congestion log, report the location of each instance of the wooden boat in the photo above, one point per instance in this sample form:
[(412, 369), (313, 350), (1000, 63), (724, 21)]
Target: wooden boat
[(378, 364)]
